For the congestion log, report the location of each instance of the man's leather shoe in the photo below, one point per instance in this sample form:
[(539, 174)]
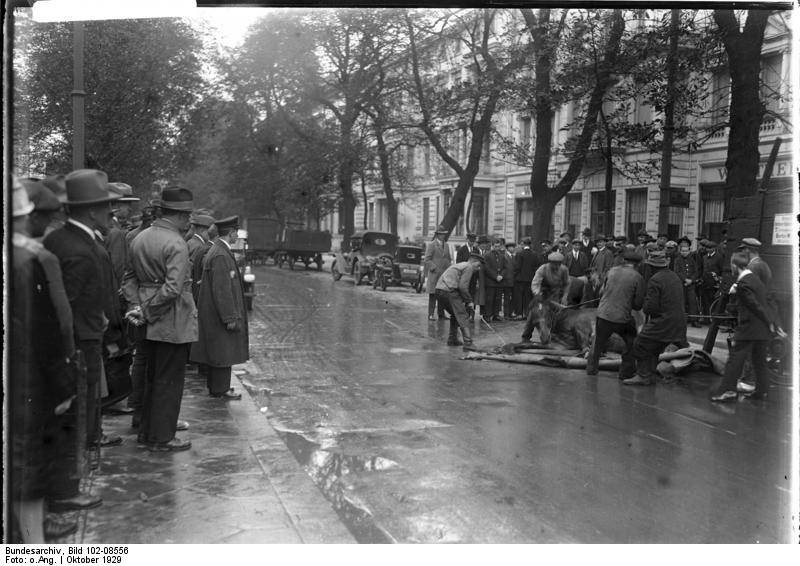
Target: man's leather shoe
[(725, 397), (110, 440), (174, 445), (117, 411), (229, 395), (58, 527), (638, 380), (182, 425), (76, 503)]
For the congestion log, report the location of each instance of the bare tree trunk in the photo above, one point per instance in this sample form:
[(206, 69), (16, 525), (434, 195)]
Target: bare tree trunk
[(746, 111), (386, 178), (669, 121)]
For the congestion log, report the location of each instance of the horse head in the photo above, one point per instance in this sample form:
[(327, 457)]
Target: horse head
[(543, 314)]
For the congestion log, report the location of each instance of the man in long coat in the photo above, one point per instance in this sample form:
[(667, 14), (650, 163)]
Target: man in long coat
[(666, 324), (222, 316), (526, 262), (158, 287), (495, 268), (437, 259)]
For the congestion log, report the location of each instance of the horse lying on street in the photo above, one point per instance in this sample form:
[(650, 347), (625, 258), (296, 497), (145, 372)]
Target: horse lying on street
[(572, 328)]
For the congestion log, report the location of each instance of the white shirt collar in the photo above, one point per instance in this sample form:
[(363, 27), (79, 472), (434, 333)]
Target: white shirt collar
[(224, 241), (82, 226), (743, 273)]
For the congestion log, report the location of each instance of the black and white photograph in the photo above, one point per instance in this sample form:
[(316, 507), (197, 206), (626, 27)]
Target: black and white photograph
[(511, 273)]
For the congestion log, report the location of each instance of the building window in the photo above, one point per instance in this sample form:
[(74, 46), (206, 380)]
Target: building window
[(410, 160), (600, 205), (572, 214), (371, 216), (771, 82), (637, 212), (525, 131), (382, 216), (427, 156), (675, 223), (478, 216), (524, 218), (720, 97), (712, 211), (426, 215)]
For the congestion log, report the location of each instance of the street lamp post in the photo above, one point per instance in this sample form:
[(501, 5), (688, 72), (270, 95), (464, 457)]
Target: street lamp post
[(78, 98)]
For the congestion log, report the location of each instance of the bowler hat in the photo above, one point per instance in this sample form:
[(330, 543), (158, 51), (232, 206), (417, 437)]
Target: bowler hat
[(125, 191), (749, 243), (202, 217), (511, 244), (176, 198), (42, 198), (229, 222), (88, 187), (21, 205), (58, 185), (657, 259), (555, 256)]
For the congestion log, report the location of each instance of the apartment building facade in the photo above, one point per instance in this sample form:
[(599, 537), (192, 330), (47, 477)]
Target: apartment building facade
[(500, 201)]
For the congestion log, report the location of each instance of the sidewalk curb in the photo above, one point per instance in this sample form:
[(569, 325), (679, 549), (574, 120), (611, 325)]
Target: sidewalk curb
[(311, 515)]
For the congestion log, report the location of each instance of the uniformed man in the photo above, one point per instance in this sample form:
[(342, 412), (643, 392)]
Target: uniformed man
[(222, 317), (158, 287), (452, 291)]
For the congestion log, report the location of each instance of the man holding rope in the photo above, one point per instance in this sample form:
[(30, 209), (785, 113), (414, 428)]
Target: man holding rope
[(550, 282)]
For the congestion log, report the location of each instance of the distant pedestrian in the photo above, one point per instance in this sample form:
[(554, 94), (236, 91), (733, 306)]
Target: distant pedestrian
[(576, 260), (437, 259), (754, 329), (509, 301), (158, 287), (587, 245), (622, 292), (222, 317), (452, 290), (666, 322), (604, 258), (470, 247), (526, 262), (494, 269)]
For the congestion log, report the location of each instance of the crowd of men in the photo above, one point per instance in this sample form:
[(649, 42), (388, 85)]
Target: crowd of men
[(107, 304), (671, 284)]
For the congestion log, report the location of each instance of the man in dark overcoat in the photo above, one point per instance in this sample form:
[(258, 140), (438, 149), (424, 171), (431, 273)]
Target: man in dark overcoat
[(495, 266), (222, 317), (85, 267), (754, 329), (158, 286), (436, 260), (576, 260), (666, 320), (526, 262), (470, 247)]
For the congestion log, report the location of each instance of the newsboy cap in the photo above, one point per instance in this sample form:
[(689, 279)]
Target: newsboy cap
[(749, 243)]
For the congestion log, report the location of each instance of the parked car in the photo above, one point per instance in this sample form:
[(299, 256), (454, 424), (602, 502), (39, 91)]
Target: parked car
[(404, 267), (360, 254)]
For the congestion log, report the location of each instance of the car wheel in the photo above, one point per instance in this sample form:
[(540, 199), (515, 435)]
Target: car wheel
[(335, 273), (357, 273), (418, 285)]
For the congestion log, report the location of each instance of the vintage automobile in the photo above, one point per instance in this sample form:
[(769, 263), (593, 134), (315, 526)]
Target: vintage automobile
[(404, 267), (361, 252)]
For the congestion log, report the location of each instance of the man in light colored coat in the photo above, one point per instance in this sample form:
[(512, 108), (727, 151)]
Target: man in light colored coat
[(437, 259), (222, 317), (158, 286)]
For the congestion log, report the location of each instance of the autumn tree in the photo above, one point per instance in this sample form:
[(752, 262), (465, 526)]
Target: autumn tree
[(143, 79)]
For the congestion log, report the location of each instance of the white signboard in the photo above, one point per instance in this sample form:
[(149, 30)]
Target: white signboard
[(784, 230)]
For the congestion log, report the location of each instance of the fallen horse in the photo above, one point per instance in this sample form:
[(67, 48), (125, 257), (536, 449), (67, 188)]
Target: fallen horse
[(671, 363)]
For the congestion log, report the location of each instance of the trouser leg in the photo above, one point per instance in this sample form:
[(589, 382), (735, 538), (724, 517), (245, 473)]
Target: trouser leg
[(218, 379), (138, 368), (627, 366), (645, 353), (602, 332), (166, 366), (527, 332), (92, 350), (431, 304), (740, 351), (508, 297), (759, 357), (60, 441), (458, 313)]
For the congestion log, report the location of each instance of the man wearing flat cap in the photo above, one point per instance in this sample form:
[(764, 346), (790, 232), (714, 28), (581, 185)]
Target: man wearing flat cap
[(666, 320), (550, 283), (452, 291), (158, 287), (85, 268), (222, 317)]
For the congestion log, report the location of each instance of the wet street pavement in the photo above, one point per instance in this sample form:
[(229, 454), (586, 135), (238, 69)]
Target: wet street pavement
[(410, 443)]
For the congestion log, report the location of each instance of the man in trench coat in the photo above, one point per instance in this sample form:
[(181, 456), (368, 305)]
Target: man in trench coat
[(222, 317)]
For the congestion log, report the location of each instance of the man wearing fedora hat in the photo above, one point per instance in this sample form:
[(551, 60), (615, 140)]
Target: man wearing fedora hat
[(222, 317), (158, 287), (470, 247), (85, 266), (666, 320), (437, 259)]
